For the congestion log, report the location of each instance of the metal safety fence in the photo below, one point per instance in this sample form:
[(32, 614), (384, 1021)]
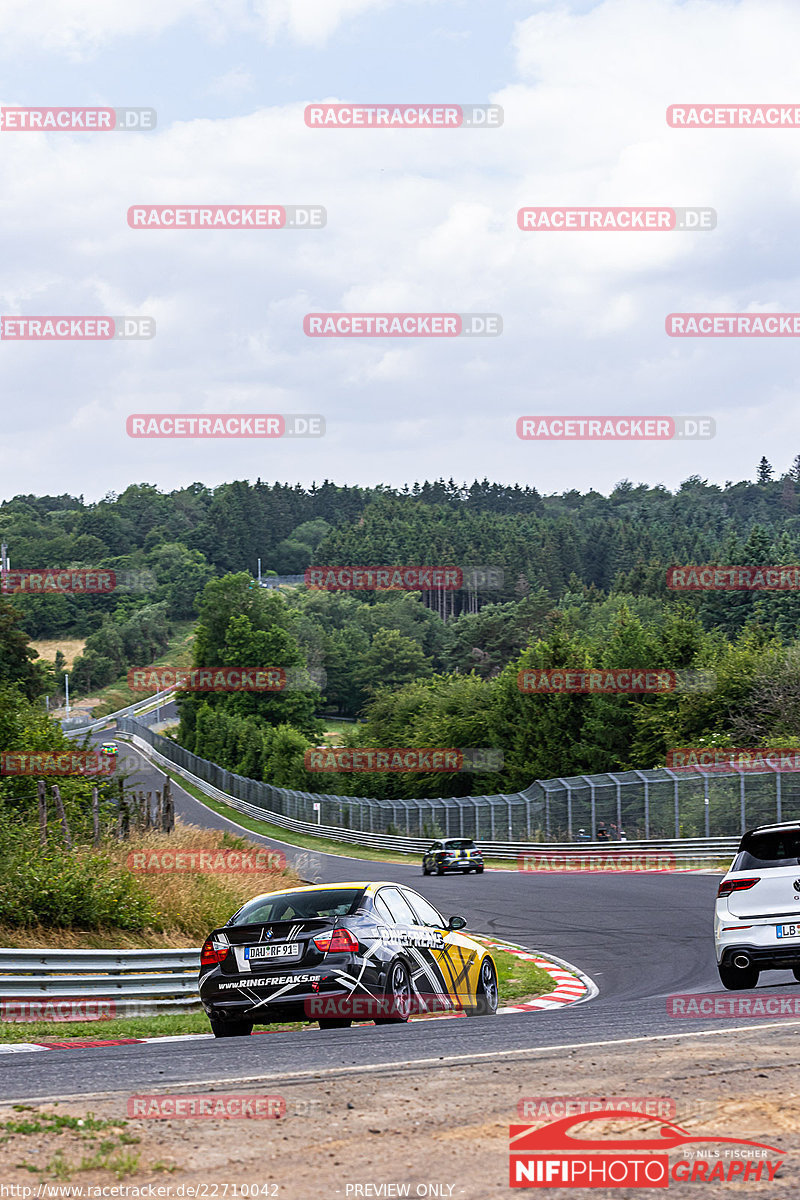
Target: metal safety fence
[(645, 805)]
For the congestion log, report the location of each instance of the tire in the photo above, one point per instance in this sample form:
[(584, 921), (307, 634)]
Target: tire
[(425, 870), (479, 870), (222, 1029), (487, 998), (440, 870), (398, 992), (334, 1022), (796, 973), (737, 980)]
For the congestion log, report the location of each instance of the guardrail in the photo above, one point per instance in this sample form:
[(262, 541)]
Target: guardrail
[(130, 711), (685, 849), (137, 982)]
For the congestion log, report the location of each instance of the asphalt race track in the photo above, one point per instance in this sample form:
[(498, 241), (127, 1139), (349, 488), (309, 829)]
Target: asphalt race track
[(639, 937)]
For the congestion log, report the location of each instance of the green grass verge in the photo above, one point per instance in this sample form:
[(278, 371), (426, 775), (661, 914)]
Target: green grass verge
[(517, 980)]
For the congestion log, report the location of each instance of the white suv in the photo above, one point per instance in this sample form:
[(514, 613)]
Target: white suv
[(757, 918)]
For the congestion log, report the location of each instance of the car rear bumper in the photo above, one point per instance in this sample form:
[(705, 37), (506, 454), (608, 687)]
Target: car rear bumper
[(758, 940), (265, 1000)]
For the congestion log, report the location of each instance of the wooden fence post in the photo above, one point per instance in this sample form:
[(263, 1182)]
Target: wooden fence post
[(62, 815), (95, 817), (168, 816), (41, 792)]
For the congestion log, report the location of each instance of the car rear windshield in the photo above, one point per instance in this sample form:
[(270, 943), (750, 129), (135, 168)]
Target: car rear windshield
[(288, 906), (462, 844), (778, 848)]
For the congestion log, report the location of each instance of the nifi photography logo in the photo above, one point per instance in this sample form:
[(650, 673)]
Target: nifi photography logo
[(562, 1155)]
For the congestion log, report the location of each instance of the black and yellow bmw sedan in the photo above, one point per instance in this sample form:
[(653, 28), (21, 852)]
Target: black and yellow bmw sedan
[(338, 953)]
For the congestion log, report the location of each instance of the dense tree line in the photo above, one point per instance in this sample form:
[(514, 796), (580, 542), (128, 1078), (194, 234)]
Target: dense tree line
[(583, 583)]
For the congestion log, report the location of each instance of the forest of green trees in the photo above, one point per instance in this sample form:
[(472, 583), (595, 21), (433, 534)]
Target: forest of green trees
[(583, 584)]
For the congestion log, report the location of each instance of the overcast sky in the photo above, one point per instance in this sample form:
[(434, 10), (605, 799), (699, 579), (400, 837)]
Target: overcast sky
[(417, 221)]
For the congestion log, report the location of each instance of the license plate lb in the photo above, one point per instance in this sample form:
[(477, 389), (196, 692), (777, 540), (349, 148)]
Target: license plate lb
[(788, 931), (281, 950)]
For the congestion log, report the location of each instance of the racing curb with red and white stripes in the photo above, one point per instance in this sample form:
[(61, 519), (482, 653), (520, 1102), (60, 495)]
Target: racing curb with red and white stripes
[(571, 986)]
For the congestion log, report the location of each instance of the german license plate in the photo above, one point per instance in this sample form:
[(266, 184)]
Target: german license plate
[(788, 931), (281, 950)]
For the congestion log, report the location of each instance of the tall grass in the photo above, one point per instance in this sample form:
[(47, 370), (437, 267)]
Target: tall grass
[(44, 890)]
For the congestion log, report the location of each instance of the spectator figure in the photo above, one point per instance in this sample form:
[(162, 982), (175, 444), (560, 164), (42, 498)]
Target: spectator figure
[(602, 834), (583, 836)]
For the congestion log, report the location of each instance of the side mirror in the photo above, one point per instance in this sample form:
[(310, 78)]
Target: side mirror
[(457, 923)]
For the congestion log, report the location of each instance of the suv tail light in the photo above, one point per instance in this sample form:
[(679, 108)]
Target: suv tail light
[(735, 885), (337, 942), (211, 954)]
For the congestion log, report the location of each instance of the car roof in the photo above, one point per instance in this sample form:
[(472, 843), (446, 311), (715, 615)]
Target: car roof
[(367, 885), (780, 825)]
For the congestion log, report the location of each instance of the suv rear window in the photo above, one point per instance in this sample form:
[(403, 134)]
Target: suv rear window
[(460, 844), (759, 851)]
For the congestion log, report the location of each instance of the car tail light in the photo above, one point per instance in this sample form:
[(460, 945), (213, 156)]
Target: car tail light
[(337, 942), (735, 885), (211, 954)]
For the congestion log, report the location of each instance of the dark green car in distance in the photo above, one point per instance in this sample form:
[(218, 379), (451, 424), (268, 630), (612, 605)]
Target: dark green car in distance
[(452, 854)]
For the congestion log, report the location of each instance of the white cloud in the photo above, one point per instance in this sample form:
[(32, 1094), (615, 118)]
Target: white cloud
[(424, 221), (79, 28)]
